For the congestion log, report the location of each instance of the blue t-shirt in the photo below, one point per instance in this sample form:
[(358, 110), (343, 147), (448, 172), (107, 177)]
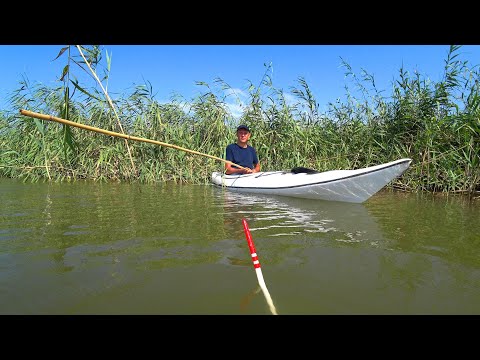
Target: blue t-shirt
[(246, 157)]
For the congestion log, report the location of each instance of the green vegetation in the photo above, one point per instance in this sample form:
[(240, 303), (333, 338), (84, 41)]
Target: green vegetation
[(435, 124)]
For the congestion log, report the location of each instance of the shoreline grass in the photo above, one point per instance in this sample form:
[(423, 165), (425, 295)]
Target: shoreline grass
[(435, 124)]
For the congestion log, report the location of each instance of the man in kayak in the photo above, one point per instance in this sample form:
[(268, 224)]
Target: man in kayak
[(242, 154)]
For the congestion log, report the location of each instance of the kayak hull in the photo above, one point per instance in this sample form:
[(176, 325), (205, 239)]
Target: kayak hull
[(355, 186)]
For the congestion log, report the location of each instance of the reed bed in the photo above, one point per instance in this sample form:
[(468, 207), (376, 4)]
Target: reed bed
[(437, 124)]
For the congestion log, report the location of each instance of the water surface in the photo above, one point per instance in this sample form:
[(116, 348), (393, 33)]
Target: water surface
[(93, 248)]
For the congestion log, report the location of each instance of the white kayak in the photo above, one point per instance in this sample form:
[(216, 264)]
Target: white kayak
[(355, 186)]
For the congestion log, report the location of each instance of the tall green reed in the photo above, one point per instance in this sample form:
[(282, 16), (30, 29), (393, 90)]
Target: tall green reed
[(435, 124)]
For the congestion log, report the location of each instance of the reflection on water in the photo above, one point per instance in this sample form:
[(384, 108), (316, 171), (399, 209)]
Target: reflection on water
[(279, 216), (83, 248), (446, 227)]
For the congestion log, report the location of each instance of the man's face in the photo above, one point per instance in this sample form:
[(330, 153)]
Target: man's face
[(243, 135)]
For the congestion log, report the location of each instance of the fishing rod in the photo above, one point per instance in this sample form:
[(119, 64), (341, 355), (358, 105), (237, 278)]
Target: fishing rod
[(124, 136), (256, 265)]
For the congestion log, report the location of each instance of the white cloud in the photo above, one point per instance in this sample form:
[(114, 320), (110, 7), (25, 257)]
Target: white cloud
[(290, 99), (235, 109), (237, 94)]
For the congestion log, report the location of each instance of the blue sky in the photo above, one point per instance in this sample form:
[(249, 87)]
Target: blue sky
[(176, 68)]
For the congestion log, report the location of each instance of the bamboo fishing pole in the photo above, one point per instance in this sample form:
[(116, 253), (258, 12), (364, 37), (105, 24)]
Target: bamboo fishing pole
[(124, 136)]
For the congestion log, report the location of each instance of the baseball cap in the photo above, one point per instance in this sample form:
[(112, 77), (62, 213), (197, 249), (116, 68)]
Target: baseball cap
[(244, 127)]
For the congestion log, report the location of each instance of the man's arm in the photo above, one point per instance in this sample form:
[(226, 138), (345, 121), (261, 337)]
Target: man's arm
[(229, 169)]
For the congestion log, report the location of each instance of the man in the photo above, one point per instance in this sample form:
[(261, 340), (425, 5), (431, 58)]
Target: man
[(242, 154)]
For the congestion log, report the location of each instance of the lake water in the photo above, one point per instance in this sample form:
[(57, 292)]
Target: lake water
[(96, 248)]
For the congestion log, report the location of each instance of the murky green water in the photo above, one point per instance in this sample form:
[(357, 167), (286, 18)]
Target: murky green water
[(87, 248)]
